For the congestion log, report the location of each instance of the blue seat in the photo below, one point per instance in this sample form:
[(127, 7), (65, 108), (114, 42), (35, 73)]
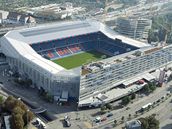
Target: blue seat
[(84, 42)]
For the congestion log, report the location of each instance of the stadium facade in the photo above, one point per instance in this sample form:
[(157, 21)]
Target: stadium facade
[(31, 50)]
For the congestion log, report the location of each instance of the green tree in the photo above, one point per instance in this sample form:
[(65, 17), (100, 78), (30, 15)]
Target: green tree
[(129, 116), (153, 122), (152, 88), (152, 36), (17, 121), (144, 124), (122, 118), (126, 100), (133, 95), (149, 122), (115, 122), (103, 109), (27, 117), (9, 103), (146, 89), (109, 106), (18, 110)]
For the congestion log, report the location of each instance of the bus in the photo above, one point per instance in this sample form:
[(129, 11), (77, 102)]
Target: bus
[(145, 107)]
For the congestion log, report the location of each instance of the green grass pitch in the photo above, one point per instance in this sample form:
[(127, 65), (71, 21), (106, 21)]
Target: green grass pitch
[(79, 59)]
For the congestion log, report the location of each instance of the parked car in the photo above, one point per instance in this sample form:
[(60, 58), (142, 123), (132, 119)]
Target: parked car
[(103, 119), (97, 119), (109, 114)]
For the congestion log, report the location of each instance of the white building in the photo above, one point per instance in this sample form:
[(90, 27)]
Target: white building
[(100, 77)]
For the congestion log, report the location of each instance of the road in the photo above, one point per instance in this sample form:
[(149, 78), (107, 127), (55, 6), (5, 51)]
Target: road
[(135, 106)]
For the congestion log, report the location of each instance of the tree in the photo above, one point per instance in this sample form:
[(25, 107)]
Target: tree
[(144, 124), (27, 117), (133, 96), (20, 114), (109, 106), (146, 88), (153, 122), (115, 122), (18, 110), (17, 121), (125, 100), (149, 107), (152, 36), (149, 122), (9, 103), (122, 118), (152, 87), (103, 109), (129, 116)]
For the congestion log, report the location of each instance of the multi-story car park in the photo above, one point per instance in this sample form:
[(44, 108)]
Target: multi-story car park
[(29, 52)]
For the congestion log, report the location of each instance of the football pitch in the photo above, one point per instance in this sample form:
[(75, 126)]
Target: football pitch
[(79, 59)]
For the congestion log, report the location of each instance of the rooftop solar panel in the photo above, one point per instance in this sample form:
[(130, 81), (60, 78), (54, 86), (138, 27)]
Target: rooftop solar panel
[(51, 30)]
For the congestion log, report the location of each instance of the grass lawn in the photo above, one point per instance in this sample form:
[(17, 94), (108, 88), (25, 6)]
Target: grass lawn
[(79, 59)]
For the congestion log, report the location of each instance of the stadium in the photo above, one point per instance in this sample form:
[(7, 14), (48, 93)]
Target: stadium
[(80, 60)]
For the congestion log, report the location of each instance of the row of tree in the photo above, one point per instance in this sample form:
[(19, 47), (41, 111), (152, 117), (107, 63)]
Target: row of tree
[(21, 115)]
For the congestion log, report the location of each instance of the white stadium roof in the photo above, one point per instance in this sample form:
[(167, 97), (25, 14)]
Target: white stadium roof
[(47, 32), (20, 39)]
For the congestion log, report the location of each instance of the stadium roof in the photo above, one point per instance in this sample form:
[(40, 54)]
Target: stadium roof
[(20, 39), (47, 32)]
